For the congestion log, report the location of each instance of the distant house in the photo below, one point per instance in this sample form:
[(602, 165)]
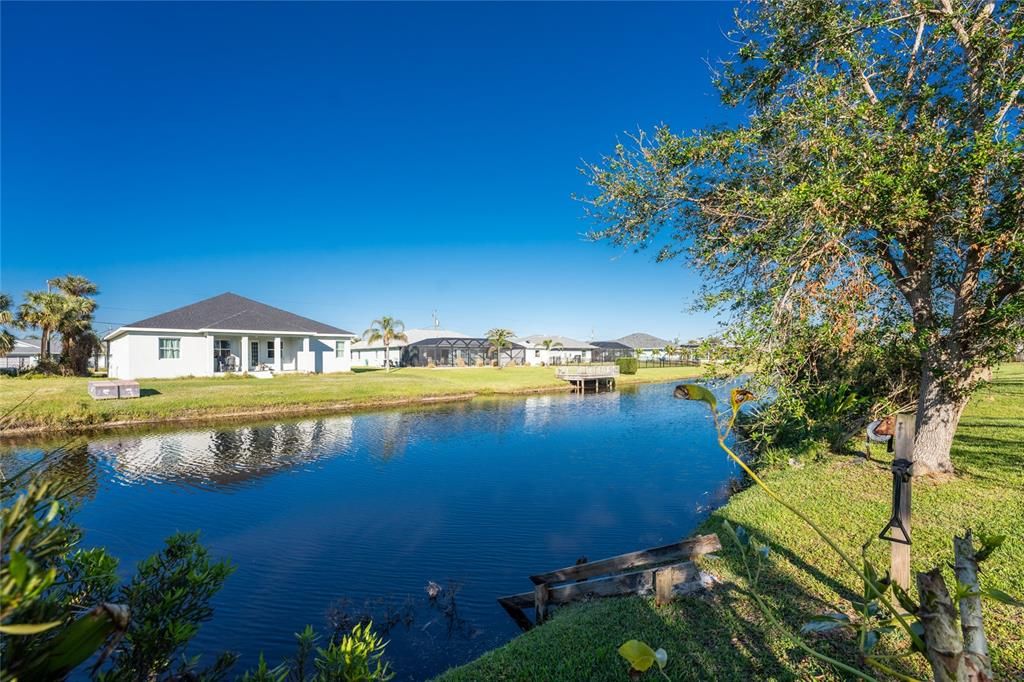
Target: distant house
[(564, 350), (224, 334), (366, 354), (459, 351), (25, 354), (610, 351)]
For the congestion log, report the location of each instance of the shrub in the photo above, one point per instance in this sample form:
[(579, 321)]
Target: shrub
[(627, 365)]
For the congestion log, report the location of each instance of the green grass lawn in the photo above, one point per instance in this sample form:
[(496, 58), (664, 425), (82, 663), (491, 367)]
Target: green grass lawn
[(722, 636), (64, 402)]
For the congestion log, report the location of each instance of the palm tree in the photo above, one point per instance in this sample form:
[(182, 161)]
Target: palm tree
[(6, 318), (500, 339), (46, 311), (549, 344), (386, 329)]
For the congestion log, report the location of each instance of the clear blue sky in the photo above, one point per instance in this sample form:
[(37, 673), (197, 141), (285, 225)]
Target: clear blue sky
[(345, 161)]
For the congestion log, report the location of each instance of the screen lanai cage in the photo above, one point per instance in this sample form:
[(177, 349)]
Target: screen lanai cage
[(459, 352)]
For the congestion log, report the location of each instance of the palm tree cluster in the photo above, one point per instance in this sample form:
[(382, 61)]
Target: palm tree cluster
[(68, 311)]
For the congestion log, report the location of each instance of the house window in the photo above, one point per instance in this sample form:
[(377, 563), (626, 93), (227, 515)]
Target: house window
[(170, 349), (339, 349), (270, 350), (221, 348), (254, 351)]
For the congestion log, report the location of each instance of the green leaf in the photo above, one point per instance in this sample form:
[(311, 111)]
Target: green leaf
[(990, 542), (825, 622), (640, 656), (904, 599), (80, 640), (871, 640), (917, 627), (695, 392), (1002, 597), (661, 658), (742, 535), (18, 567), (28, 628)]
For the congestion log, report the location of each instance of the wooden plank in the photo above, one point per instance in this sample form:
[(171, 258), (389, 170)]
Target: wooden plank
[(677, 551), (616, 585), (540, 603), (903, 448), (516, 612)]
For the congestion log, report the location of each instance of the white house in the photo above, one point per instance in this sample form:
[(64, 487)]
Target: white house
[(563, 350), (366, 354), (25, 354), (224, 334)]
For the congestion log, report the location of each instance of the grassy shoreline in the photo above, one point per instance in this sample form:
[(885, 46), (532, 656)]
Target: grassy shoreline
[(722, 636), (46, 405)]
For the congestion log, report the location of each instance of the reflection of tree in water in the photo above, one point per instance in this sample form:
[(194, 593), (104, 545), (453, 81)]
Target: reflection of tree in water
[(70, 465)]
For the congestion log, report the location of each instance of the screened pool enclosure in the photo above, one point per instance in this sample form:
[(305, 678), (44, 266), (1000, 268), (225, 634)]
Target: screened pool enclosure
[(459, 352)]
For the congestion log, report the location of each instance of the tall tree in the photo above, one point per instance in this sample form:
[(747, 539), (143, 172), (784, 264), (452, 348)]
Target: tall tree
[(500, 339), (387, 330), (78, 340), (46, 311), (6, 318), (875, 183)]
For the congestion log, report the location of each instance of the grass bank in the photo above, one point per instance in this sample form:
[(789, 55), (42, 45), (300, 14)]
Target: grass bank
[(722, 636), (63, 403)]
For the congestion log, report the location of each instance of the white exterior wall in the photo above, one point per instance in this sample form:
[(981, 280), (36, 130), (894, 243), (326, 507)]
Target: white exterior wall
[(374, 357), (538, 355), (329, 362), (137, 355)]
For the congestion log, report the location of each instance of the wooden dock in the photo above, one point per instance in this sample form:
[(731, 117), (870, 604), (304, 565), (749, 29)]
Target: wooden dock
[(660, 569), (583, 377)]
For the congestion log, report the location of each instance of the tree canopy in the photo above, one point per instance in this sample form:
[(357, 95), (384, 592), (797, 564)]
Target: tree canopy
[(872, 191)]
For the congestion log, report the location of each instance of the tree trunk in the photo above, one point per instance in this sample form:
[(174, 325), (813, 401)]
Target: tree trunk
[(938, 414), (972, 625), (44, 343), (944, 644), (387, 359)]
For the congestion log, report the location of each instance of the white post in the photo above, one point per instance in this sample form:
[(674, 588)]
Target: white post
[(245, 354), (210, 364), (307, 366), (277, 353)]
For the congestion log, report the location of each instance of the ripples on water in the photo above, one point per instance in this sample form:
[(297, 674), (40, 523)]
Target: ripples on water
[(343, 516)]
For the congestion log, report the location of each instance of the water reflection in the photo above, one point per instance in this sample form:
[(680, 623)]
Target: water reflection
[(223, 457), (339, 518)]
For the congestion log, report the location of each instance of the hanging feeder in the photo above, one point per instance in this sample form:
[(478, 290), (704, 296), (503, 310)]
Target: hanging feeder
[(901, 473)]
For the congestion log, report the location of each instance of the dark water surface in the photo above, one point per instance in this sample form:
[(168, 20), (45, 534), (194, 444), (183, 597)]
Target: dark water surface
[(355, 514)]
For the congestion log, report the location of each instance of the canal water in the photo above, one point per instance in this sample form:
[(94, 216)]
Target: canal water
[(331, 519)]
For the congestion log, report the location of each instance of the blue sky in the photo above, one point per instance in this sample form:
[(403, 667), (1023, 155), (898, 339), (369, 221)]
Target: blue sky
[(345, 161)]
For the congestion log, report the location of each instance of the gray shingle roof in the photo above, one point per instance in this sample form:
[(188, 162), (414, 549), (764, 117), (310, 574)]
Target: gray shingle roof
[(641, 340), (233, 312)]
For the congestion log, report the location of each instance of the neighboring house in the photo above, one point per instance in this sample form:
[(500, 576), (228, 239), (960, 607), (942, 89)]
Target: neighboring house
[(223, 334), (645, 346), (460, 351), (25, 354), (564, 350), (372, 354), (610, 351)]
